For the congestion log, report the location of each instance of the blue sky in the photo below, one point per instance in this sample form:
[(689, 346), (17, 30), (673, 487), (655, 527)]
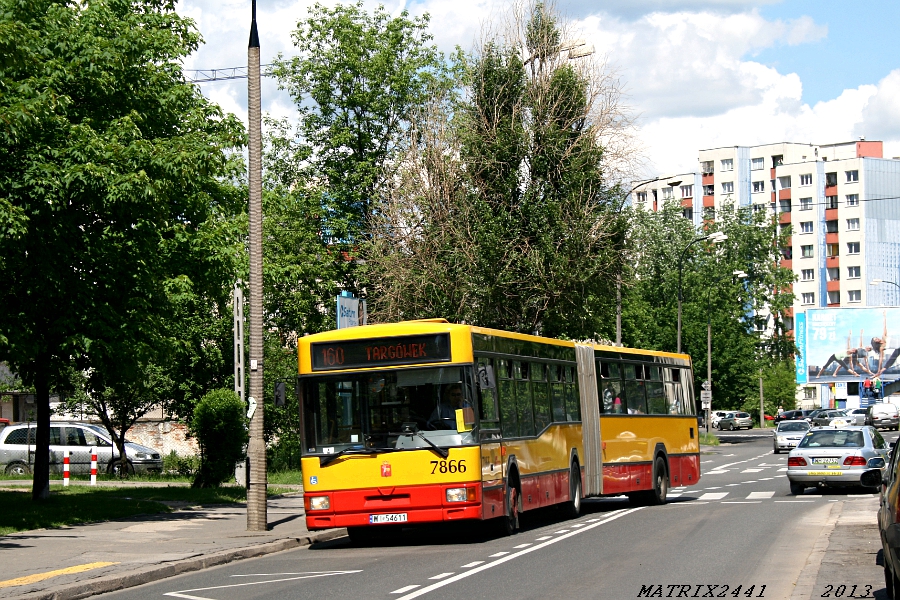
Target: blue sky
[(698, 73), (862, 46)]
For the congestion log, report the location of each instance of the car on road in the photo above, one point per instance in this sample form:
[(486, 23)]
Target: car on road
[(824, 417), (17, 450), (889, 524), (735, 420), (883, 414), (788, 434), (792, 415), (836, 457), (858, 415), (716, 416)]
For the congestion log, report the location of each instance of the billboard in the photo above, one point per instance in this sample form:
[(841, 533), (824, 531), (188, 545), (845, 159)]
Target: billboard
[(849, 344)]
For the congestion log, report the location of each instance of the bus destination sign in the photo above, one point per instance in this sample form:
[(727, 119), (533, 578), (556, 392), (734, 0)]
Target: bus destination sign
[(406, 350)]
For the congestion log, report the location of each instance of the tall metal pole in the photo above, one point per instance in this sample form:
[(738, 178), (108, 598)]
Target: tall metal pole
[(256, 491), (762, 409), (238, 299)]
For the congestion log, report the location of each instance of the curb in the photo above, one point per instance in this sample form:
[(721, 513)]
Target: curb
[(112, 583)]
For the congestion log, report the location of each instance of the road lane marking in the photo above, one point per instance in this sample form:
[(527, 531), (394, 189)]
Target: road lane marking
[(795, 501), (522, 545), (403, 590), (718, 487), (742, 502), (760, 495), (731, 484), (767, 479), (544, 537), (713, 496), (471, 564), (612, 517), (716, 472), (42, 576), (561, 531), (497, 554), (310, 575), (442, 576), (751, 470)]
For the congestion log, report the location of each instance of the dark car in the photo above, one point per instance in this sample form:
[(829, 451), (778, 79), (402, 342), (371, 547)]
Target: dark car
[(824, 417), (793, 415), (888, 525)]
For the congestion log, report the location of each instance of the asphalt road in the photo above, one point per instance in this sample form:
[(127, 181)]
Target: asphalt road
[(739, 527)]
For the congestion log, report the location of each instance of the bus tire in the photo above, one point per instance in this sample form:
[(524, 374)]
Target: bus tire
[(657, 495), (572, 508), (509, 522)]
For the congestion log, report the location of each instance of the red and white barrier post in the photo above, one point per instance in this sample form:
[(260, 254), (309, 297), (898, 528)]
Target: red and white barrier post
[(65, 468), (93, 465)]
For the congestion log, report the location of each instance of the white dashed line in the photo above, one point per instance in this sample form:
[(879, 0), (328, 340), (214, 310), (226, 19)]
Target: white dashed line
[(403, 590), (760, 495), (472, 564), (563, 531), (540, 539), (731, 484), (522, 546), (498, 554), (713, 496), (742, 502), (789, 501), (442, 576), (751, 470), (715, 488)]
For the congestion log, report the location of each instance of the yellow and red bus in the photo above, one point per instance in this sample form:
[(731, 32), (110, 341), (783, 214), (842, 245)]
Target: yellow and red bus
[(541, 422)]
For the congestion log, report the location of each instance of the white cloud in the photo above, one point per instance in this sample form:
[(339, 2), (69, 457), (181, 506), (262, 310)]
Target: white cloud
[(881, 116)]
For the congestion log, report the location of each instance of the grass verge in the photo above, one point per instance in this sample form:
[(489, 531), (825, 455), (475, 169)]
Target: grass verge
[(708, 439), (81, 504)]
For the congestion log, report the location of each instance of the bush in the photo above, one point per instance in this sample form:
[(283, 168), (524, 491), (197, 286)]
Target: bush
[(186, 466), (220, 427)]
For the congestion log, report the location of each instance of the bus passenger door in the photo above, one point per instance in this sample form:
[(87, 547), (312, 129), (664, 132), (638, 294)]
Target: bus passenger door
[(491, 477)]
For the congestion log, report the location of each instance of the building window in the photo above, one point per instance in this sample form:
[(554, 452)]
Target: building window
[(831, 202), (667, 193), (852, 224), (777, 161), (805, 203), (830, 179), (852, 199), (806, 251), (709, 213), (831, 227), (808, 274), (852, 176), (852, 272), (709, 190), (808, 298), (727, 187), (832, 250), (706, 167), (785, 205), (852, 247), (688, 213), (788, 323), (806, 179), (759, 186), (834, 297), (772, 181), (687, 191), (834, 274), (727, 164), (806, 227), (641, 197), (787, 252), (784, 183), (809, 393), (855, 295), (757, 164)]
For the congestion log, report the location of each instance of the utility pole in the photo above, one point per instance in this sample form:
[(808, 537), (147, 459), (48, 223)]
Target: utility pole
[(256, 492)]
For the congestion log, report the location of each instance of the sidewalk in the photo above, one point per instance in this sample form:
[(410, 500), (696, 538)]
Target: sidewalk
[(103, 557)]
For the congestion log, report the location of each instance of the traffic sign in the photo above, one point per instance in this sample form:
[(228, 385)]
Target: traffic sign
[(706, 396), (706, 385)]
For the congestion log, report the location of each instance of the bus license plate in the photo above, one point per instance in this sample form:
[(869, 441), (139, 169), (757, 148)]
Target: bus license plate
[(390, 518)]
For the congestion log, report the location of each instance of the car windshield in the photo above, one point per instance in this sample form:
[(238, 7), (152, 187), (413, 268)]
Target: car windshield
[(372, 410), (833, 438), (793, 426)]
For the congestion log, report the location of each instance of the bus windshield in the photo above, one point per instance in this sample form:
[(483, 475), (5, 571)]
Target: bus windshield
[(387, 409)]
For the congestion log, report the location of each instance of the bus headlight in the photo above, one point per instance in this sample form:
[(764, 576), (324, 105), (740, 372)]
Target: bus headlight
[(460, 494), (319, 503)]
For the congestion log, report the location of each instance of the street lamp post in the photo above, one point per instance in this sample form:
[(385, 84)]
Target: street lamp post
[(880, 281), (715, 238), (734, 275)]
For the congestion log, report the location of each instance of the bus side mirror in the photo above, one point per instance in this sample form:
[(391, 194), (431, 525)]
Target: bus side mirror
[(279, 393)]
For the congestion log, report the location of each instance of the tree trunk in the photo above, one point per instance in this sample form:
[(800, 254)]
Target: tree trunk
[(123, 457), (40, 489)]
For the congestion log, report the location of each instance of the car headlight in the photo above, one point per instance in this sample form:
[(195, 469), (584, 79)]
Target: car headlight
[(460, 494), (319, 503), (782, 438), (142, 455)]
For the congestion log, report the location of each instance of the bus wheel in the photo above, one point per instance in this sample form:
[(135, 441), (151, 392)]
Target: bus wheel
[(660, 489), (573, 506), (510, 522)]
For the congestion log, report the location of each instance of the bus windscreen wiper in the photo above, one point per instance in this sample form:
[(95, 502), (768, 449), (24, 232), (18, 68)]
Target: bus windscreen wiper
[(328, 459), (411, 429)]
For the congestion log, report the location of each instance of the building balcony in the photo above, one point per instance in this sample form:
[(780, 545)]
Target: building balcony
[(784, 218), (834, 286), (787, 263), (831, 214), (708, 179), (835, 305), (687, 203), (709, 201), (832, 238), (788, 312), (831, 190), (772, 173), (784, 194), (832, 262)]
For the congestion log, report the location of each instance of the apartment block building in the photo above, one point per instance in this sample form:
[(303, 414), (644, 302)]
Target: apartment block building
[(841, 201)]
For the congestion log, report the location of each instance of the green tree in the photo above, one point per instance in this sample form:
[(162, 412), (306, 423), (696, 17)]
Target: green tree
[(220, 427), (111, 165), (501, 214)]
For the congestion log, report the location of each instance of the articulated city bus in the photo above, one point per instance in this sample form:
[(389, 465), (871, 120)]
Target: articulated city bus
[(428, 421)]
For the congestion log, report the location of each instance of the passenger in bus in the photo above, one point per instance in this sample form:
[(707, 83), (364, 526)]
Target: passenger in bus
[(444, 415)]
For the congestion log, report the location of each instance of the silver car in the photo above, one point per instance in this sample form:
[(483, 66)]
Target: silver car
[(17, 450), (735, 420), (788, 434), (836, 456)]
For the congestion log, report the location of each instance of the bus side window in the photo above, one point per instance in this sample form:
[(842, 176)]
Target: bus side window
[(541, 392), (525, 411), (656, 401), (488, 395), (558, 389), (634, 389), (687, 391), (573, 402), (509, 423)]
